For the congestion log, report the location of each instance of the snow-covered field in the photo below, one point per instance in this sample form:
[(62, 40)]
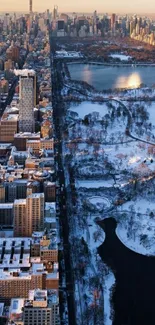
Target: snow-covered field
[(86, 108), (95, 183), (137, 230), (151, 111), (121, 57), (108, 286)]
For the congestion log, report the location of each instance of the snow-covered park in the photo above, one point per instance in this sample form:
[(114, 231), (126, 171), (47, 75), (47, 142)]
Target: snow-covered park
[(136, 227), (110, 148), (86, 108)]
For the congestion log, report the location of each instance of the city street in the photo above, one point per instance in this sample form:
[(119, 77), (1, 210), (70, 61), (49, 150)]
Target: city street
[(57, 117)]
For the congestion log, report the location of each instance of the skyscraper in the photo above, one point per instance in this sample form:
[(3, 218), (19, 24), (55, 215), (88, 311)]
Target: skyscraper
[(35, 212), (30, 6), (20, 219), (55, 12), (28, 215), (113, 22), (27, 99)]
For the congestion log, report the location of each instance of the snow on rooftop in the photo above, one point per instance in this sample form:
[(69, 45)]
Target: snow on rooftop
[(50, 205), (24, 73), (6, 205), (11, 117), (37, 268), (16, 305)]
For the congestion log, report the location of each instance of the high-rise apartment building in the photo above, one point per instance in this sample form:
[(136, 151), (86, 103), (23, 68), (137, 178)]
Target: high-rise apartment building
[(15, 283), (6, 214), (113, 21), (8, 127), (27, 99), (35, 212), (29, 215), (2, 193), (20, 219), (49, 191)]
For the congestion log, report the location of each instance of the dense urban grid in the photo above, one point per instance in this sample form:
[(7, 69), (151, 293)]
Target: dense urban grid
[(76, 169)]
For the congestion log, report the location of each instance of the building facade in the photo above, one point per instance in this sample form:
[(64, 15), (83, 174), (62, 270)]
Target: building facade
[(41, 310), (27, 100)]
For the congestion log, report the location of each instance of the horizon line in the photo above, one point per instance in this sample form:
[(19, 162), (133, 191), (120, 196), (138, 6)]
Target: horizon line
[(80, 12)]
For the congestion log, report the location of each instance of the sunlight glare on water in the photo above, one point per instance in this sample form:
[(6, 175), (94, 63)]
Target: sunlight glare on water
[(132, 81), (87, 74)]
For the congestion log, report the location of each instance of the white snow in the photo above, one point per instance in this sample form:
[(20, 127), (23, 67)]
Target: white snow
[(95, 184), (122, 57), (100, 149), (68, 54), (100, 201), (109, 281), (24, 72), (151, 111), (89, 236), (86, 108), (131, 231)]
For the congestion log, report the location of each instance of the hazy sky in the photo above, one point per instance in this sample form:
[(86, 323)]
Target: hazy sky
[(132, 6)]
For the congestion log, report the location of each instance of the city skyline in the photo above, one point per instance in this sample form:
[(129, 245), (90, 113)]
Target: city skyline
[(68, 6)]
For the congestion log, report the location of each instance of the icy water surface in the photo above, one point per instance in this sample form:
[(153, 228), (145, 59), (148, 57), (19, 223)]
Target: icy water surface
[(134, 294), (105, 77)]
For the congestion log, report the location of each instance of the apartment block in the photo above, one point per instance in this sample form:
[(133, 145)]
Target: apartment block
[(41, 308)]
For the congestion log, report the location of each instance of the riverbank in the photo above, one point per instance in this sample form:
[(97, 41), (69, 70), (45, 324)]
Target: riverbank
[(113, 64)]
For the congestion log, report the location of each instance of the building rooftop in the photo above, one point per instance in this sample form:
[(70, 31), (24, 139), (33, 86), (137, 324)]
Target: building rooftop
[(55, 274), (33, 141), (15, 252), (25, 73), (50, 205), (16, 306), (38, 268), (20, 201), (35, 196), (14, 273), (41, 298), (37, 294), (10, 117), (27, 135), (6, 205), (53, 297), (4, 146)]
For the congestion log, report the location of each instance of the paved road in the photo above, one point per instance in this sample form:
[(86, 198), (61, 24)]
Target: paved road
[(57, 117)]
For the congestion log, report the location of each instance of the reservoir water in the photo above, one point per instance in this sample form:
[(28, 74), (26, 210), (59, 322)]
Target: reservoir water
[(105, 77)]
